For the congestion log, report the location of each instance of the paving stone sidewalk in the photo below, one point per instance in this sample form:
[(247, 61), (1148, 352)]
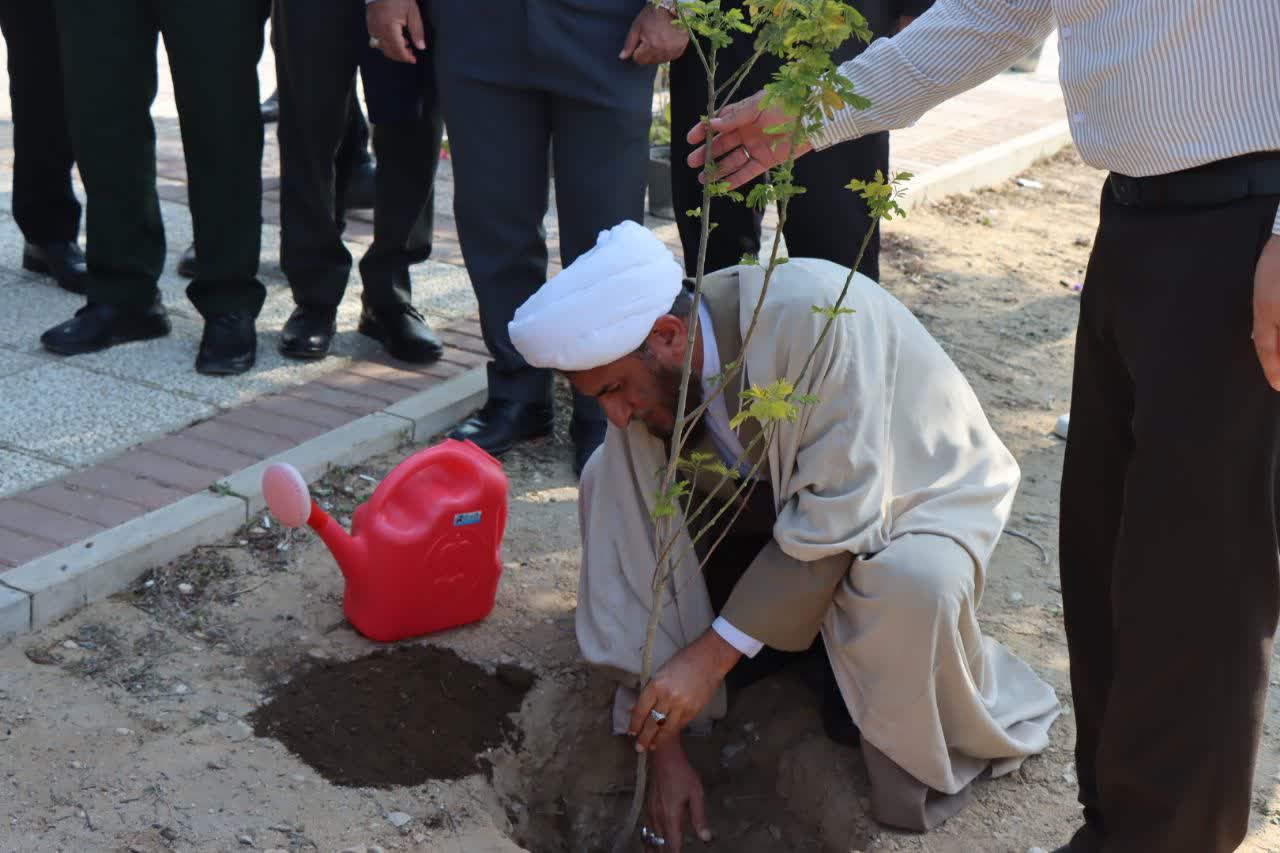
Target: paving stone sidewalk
[(90, 443)]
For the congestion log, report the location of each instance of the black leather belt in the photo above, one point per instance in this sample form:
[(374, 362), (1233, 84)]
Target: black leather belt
[(1220, 182)]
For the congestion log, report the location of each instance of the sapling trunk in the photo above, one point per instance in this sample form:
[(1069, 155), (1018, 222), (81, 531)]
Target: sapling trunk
[(882, 207)]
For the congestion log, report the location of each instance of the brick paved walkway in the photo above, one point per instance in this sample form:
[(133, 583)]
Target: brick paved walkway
[(91, 442)]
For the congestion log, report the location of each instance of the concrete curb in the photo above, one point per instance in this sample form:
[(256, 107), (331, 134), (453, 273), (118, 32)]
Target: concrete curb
[(346, 445), (15, 613), (66, 580), (56, 585), (987, 167)]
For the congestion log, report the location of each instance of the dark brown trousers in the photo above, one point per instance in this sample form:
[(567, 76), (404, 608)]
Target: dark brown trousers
[(1170, 564)]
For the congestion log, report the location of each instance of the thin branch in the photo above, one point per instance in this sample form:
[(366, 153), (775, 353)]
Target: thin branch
[(740, 75), (646, 665), (741, 506), (843, 293), (665, 552)]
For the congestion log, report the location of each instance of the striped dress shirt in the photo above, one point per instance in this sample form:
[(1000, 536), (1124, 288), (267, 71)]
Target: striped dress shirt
[(1150, 87)]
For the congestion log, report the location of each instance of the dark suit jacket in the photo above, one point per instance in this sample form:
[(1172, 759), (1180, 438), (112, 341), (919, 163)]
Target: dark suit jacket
[(566, 48)]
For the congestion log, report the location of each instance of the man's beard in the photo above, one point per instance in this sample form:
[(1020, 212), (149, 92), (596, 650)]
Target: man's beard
[(668, 380)]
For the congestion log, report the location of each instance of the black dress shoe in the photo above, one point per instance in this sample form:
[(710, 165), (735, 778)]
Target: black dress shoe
[(309, 332), (501, 424), (587, 436), (271, 108), (1085, 840), (229, 345), (188, 266), (836, 721), (97, 326), (61, 259), (403, 332), (361, 187)]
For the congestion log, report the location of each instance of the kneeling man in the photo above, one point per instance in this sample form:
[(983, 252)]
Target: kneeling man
[(876, 511)]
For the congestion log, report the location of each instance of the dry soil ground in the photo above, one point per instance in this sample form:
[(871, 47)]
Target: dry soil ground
[(131, 725)]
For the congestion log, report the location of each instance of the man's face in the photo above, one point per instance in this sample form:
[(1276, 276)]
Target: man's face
[(645, 386)]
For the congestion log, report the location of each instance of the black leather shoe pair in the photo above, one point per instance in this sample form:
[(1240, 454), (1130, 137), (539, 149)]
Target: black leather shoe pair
[(502, 424), (62, 260), (308, 334), (227, 347)]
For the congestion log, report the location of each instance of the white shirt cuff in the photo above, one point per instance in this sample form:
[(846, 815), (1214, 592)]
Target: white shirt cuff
[(740, 641)]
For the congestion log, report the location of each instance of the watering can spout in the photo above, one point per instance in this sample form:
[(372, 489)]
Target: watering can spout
[(351, 552)]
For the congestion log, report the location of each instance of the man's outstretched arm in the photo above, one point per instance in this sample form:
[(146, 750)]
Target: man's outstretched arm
[(949, 49)]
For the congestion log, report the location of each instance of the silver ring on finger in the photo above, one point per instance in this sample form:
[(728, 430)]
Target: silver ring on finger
[(374, 42), (658, 716)]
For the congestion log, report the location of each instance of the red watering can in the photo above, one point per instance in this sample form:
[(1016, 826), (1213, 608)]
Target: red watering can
[(423, 553)]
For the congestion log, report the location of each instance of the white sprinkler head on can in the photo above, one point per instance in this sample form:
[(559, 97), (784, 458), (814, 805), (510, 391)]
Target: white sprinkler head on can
[(286, 494)]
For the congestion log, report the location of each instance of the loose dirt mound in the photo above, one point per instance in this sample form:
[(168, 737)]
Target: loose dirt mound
[(393, 718)]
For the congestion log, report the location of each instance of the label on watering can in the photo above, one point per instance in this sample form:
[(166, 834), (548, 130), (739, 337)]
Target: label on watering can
[(462, 519)]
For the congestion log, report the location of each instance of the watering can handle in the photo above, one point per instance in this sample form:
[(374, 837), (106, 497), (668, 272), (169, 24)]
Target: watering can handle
[(411, 466)]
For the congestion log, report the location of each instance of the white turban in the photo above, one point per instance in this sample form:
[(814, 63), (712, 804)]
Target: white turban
[(602, 306)]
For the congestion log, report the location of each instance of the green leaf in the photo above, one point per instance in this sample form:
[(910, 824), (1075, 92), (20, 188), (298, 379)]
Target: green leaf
[(695, 212), (770, 403), (749, 260), (723, 470)]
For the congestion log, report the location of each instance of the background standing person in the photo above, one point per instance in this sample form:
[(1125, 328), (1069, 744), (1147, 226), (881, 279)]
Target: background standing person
[(826, 221), (355, 170), (44, 204), (319, 45), (109, 64), (569, 79), (1175, 419)]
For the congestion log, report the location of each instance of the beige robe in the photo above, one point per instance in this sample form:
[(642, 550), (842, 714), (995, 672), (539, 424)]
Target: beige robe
[(891, 493)]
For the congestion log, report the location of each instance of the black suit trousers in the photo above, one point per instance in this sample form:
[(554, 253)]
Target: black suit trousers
[(44, 205), (319, 45), (1169, 545), (109, 55), (539, 88)]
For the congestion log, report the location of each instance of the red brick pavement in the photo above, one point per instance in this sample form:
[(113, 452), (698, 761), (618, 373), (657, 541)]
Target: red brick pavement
[(167, 469)]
